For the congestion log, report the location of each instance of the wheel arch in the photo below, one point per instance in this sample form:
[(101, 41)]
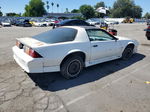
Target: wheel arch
[(74, 53), (130, 44)]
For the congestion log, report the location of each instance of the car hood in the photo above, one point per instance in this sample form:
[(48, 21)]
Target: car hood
[(122, 38), (127, 39)]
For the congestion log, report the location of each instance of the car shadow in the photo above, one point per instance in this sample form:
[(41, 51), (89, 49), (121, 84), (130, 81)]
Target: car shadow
[(55, 82)]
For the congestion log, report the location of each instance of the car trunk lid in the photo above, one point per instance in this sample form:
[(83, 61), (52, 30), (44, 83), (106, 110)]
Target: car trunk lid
[(31, 42), (30, 46)]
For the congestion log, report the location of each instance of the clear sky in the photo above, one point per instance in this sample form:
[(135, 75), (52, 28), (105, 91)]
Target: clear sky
[(18, 5)]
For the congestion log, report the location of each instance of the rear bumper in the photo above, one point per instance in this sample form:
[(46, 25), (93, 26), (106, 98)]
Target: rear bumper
[(31, 65), (6, 25)]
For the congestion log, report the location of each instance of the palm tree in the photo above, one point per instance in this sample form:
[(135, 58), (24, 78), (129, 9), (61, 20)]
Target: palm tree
[(52, 6), (47, 2), (57, 8), (47, 5)]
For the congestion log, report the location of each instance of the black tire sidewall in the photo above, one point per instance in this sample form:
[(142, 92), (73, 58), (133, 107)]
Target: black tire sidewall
[(64, 67), (125, 53)]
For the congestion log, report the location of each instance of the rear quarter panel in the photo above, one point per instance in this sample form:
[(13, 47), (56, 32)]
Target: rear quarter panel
[(54, 53)]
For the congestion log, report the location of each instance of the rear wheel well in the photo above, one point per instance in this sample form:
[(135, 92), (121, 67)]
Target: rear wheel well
[(80, 54), (130, 45)]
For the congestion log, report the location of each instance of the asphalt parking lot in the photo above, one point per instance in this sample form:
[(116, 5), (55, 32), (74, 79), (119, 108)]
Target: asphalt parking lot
[(115, 86)]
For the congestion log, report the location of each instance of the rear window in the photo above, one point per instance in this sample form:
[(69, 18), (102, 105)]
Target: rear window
[(64, 22), (57, 35)]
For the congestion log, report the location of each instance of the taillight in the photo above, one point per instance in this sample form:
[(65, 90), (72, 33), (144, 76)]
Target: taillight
[(19, 44), (32, 53)]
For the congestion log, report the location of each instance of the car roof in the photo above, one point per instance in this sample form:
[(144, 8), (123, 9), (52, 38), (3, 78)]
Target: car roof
[(89, 27), (84, 27), (68, 20)]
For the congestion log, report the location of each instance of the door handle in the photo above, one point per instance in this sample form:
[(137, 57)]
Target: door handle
[(95, 45)]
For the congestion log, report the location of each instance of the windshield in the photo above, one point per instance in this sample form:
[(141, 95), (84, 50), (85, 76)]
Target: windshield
[(6, 20), (57, 35)]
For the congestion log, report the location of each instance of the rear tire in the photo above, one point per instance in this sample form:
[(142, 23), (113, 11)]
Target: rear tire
[(72, 67), (127, 53)]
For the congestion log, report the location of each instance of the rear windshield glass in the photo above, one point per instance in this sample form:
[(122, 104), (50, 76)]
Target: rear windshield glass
[(57, 35), (64, 21)]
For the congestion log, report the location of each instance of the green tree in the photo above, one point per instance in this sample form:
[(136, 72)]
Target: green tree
[(147, 15), (99, 4), (87, 11), (1, 14), (35, 8), (126, 8), (75, 11), (137, 12), (13, 14)]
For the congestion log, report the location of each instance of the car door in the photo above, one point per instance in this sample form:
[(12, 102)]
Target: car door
[(103, 45)]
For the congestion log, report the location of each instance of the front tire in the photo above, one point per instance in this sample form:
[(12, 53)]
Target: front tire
[(72, 67), (127, 53)]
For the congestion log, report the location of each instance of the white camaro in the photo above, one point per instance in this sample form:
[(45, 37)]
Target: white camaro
[(69, 49)]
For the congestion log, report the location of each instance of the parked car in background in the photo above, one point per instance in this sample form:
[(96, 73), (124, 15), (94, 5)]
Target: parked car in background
[(32, 20), (24, 23), (94, 21), (6, 22), (40, 22), (71, 22), (148, 22), (69, 49), (111, 22), (147, 32), (54, 21), (98, 23)]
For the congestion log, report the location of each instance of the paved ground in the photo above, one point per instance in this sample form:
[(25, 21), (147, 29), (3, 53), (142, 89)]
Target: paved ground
[(116, 86)]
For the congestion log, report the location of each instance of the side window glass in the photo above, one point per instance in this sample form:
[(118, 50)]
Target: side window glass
[(77, 23), (98, 35), (84, 23), (69, 23)]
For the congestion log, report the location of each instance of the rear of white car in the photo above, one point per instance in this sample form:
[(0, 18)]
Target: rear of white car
[(69, 49), (27, 58), (28, 63), (6, 24), (37, 55)]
